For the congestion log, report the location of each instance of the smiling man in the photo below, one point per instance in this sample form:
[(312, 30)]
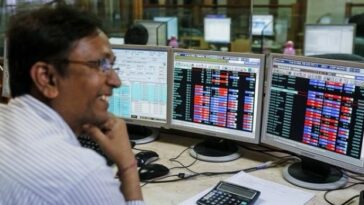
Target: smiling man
[(61, 76)]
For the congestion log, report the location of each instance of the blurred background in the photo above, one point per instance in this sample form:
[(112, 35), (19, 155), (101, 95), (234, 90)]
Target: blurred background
[(330, 28), (259, 26)]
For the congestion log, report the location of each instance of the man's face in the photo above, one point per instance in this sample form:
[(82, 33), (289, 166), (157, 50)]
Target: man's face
[(84, 91)]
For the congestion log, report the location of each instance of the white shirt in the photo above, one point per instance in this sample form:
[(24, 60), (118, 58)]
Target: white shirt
[(41, 161)]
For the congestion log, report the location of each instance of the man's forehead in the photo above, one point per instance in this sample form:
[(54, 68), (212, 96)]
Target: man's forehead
[(92, 45)]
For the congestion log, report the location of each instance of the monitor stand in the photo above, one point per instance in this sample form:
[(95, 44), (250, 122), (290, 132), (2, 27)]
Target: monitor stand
[(215, 150), (313, 174), (141, 134)]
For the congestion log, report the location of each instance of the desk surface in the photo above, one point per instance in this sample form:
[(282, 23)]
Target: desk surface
[(169, 146)]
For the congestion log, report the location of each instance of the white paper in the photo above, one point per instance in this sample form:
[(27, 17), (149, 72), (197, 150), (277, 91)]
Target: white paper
[(271, 193)]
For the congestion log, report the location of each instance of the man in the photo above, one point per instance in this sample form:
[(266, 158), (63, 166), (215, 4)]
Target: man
[(136, 34), (61, 76)]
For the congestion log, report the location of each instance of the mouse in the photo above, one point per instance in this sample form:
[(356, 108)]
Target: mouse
[(146, 157), (151, 171)]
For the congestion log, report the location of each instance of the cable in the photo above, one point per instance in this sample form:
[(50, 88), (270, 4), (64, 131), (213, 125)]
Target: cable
[(174, 159), (267, 151), (184, 176), (157, 180), (350, 199), (142, 150), (347, 201), (354, 175)]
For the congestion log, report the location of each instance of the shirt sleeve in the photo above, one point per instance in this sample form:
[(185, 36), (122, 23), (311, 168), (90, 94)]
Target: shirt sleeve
[(98, 187), (135, 203)]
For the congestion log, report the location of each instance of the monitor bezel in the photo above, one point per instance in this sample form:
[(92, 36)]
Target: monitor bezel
[(221, 135), (169, 73), (305, 40), (299, 148)]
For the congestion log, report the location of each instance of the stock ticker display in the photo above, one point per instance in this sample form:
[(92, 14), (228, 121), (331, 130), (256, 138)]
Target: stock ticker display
[(317, 104)]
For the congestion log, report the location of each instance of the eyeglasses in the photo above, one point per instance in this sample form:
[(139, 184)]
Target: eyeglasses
[(105, 65)]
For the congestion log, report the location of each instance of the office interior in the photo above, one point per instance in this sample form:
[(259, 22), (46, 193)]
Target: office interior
[(287, 21)]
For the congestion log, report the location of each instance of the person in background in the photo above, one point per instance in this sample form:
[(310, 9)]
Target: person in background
[(173, 42), (61, 77), (289, 48), (136, 34)]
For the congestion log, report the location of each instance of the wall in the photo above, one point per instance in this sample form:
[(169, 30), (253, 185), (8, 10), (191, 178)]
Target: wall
[(333, 8)]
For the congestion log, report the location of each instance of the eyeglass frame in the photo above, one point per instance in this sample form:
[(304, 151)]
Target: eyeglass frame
[(105, 65)]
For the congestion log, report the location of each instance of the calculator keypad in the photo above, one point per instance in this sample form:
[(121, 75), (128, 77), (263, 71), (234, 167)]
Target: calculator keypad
[(216, 197)]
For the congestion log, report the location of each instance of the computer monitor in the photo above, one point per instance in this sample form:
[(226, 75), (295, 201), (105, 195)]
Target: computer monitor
[(324, 39), (172, 24), (217, 29), (217, 94), (315, 108), (157, 32), (262, 25), (142, 98)]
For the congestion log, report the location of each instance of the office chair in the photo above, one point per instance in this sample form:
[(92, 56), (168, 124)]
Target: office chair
[(359, 46), (341, 56)]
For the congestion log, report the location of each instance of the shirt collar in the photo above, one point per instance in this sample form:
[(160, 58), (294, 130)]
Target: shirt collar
[(46, 113)]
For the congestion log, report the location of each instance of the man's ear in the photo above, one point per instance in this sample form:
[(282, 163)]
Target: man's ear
[(44, 77)]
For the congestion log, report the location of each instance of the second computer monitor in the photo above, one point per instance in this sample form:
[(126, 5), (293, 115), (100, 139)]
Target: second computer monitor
[(315, 108), (217, 94), (325, 39), (142, 98)]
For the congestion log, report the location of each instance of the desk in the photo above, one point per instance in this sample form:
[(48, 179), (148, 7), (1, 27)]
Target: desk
[(194, 42), (168, 146), (274, 48)]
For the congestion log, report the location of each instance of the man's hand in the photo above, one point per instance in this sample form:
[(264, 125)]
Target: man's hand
[(113, 139)]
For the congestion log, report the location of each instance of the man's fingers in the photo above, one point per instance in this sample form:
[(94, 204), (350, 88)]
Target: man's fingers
[(95, 133)]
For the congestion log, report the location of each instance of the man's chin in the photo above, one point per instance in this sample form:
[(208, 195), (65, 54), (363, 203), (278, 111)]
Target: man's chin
[(99, 120)]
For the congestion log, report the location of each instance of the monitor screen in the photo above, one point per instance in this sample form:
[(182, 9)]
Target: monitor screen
[(217, 94), (262, 25), (315, 108), (172, 24), (324, 39), (217, 29), (157, 32), (142, 97)]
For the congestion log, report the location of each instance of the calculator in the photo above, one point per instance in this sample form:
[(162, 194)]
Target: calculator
[(225, 193)]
